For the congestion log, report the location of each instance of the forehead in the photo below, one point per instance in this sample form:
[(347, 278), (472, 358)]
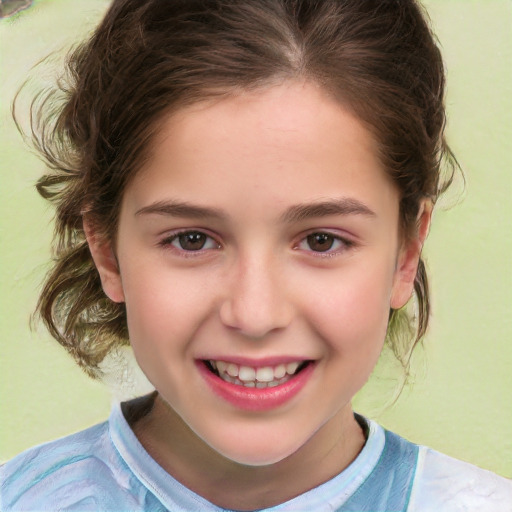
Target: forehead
[(274, 116), (286, 143)]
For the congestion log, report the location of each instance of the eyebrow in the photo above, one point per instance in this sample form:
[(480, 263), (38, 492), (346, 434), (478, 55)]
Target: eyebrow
[(343, 206), (296, 213), (181, 209)]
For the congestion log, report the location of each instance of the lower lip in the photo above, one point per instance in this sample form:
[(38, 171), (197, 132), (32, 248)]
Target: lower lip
[(255, 399)]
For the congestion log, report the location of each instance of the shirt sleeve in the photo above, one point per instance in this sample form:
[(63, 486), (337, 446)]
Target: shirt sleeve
[(445, 484)]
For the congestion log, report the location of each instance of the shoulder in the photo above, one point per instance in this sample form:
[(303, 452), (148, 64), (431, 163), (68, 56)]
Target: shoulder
[(444, 483), (62, 473)]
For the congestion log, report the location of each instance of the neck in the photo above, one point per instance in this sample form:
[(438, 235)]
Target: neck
[(231, 485)]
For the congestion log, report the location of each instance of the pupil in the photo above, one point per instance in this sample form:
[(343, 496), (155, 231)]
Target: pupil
[(320, 242), (193, 241)]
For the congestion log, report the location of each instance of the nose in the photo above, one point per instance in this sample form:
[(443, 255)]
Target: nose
[(256, 302)]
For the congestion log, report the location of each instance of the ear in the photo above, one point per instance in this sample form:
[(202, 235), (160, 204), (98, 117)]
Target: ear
[(408, 258), (105, 261)]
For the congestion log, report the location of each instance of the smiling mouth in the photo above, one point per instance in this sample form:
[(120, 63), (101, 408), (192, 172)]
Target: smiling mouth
[(251, 377)]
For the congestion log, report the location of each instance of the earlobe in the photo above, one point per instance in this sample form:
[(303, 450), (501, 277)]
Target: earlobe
[(408, 258), (105, 261)]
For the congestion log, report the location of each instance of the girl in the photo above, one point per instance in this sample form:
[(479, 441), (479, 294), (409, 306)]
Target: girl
[(243, 190)]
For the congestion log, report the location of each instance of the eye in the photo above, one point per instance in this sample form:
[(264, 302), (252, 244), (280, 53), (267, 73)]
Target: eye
[(191, 241), (324, 243)]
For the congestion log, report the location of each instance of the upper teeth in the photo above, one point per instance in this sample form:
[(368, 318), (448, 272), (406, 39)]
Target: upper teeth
[(263, 376)]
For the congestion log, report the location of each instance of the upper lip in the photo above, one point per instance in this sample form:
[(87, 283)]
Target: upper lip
[(257, 362)]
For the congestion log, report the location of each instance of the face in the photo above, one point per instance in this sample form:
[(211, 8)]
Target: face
[(259, 256)]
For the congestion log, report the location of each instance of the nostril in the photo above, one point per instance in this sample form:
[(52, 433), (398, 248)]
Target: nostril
[(255, 304)]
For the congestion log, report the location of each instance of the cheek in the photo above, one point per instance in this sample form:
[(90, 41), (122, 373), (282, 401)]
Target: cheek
[(165, 305), (352, 312), (163, 314)]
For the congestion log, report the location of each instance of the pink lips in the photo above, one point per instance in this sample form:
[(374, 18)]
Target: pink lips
[(254, 399)]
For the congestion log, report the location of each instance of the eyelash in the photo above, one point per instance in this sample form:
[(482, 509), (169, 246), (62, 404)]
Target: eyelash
[(344, 243), (168, 243)]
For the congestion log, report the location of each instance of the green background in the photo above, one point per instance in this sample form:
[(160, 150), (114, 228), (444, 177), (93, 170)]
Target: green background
[(459, 400)]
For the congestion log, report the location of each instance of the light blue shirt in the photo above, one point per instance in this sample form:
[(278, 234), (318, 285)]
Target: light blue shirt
[(105, 468)]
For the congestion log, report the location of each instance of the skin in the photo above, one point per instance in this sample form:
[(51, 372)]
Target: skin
[(258, 288)]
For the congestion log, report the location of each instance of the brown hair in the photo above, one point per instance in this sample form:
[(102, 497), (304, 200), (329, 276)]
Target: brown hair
[(149, 58)]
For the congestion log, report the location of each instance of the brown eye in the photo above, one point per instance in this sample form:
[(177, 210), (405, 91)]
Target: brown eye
[(320, 242), (192, 241)]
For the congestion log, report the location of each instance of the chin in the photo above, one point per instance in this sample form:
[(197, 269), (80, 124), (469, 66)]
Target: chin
[(254, 450)]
